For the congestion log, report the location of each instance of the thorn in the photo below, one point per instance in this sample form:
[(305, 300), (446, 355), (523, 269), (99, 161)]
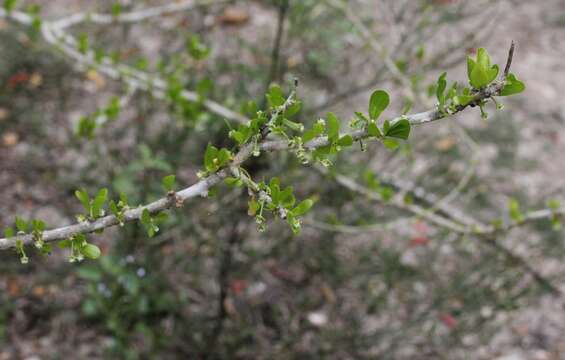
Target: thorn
[(509, 61)]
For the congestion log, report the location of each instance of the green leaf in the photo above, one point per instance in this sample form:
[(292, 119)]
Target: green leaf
[(470, 66), (514, 210), (293, 125), (232, 181), (332, 127), (513, 86), (83, 43), (492, 73), (463, 99), (8, 232), (294, 223), (209, 156), (275, 191), (303, 207), (38, 225), (64, 244), (480, 72), (21, 224), (391, 144), (98, 203), (168, 182), (345, 141), (160, 218), (114, 208), (378, 103), (373, 130), (317, 130), (116, 9), (253, 207), (287, 198), (196, 49), (399, 129), (483, 59), (553, 204), (293, 109), (145, 217), (479, 77), (113, 109), (82, 195), (275, 96), (224, 156), (241, 135), (9, 5), (90, 251), (440, 91), (86, 127)]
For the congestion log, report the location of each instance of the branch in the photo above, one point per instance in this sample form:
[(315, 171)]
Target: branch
[(135, 78), (133, 16), (486, 236), (395, 202)]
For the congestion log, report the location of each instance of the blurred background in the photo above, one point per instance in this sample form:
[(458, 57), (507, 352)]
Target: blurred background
[(366, 278)]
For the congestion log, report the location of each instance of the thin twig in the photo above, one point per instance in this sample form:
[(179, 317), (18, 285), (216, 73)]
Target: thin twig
[(275, 55), (509, 60)]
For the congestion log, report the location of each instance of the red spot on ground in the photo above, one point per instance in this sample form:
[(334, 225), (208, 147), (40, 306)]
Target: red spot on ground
[(448, 320)]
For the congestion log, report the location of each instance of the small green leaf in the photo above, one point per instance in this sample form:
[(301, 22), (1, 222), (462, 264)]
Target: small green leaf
[(275, 96), (224, 156), (345, 141), (113, 109), (463, 100), (470, 66), (553, 204), (9, 232), (293, 125), (83, 43), (38, 225), (9, 5), (293, 109), (391, 144), (399, 129), (303, 207), (317, 130), (253, 207), (209, 156), (275, 191), (332, 127), (440, 90), (373, 130), (86, 127), (21, 224), (98, 203), (116, 9), (479, 77), (514, 210), (169, 182), (160, 218), (232, 181), (64, 244), (378, 103), (513, 86), (287, 198), (196, 49), (241, 135), (90, 251), (492, 73), (82, 195), (145, 217), (480, 72)]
